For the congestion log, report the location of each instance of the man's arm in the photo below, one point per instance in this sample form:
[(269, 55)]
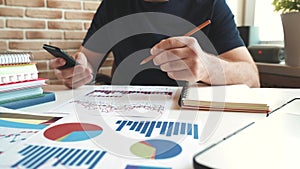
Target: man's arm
[(239, 67), (183, 59)]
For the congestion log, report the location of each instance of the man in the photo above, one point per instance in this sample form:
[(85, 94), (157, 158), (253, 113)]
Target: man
[(176, 58)]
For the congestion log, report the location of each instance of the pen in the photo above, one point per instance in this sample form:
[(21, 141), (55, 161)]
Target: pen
[(201, 26)]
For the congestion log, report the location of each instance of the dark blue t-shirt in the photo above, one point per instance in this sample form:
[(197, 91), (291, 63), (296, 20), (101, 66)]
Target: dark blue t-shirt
[(129, 28)]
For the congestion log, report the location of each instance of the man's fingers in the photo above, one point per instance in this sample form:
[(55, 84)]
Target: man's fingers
[(177, 65), (57, 62), (183, 75), (80, 58), (173, 55), (78, 79), (171, 43), (72, 83), (167, 56), (70, 72)]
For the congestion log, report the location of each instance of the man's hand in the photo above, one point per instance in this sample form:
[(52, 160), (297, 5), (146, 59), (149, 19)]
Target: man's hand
[(182, 58), (76, 76)]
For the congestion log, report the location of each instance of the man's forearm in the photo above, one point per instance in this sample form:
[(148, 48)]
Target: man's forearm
[(241, 73), (94, 59), (224, 71)]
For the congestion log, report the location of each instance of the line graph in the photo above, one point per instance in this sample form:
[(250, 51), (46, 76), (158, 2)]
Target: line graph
[(105, 107)]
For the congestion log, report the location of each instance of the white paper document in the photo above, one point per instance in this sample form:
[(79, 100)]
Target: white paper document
[(121, 101)]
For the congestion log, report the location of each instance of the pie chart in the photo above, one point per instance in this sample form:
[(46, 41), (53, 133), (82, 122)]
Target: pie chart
[(70, 132), (156, 149)]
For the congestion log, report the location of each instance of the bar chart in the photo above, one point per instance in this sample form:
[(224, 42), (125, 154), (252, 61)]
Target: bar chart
[(36, 155), (167, 128)]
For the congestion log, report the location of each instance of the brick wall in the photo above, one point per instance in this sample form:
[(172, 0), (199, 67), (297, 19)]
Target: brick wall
[(25, 25)]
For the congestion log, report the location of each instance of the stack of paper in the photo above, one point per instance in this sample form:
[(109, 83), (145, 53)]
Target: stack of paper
[(19, 82)]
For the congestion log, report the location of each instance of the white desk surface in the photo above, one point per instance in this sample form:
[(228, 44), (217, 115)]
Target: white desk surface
[(229, 123), (270, 143)]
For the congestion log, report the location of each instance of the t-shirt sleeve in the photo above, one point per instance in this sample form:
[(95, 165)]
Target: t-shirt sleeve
[(224, 34)]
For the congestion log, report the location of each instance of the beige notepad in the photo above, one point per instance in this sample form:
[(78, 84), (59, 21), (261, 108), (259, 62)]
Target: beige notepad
[(234, 98)]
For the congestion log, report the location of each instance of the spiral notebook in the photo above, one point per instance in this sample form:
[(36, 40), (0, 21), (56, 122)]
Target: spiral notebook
[(15, 58), (233, 98), (17, 67)]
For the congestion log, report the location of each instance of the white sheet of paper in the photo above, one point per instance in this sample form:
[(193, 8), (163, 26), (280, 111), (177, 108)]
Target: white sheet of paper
[(121, 101)]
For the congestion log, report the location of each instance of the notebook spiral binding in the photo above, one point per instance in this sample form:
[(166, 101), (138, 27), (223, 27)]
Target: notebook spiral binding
[(17, 67), (183, 94), (10, 58)]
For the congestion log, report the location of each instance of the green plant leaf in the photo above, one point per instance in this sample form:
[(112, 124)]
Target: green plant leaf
[(286, 6)]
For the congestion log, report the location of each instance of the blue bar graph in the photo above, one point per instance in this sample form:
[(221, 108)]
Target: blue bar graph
[(182, 129), (139, 126), (35, 156), (145, 127), (167, 128), (189, 129), (163, 129), (122, 125), (170, 129), (158, 124), (176, 128), (149, 132), (134, 125)]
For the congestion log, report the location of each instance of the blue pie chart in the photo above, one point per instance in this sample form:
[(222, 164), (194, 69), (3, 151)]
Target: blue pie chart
[(156, 149)]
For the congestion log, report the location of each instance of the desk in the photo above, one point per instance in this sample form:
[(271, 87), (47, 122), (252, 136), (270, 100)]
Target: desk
[(228, 124), (278, 75), (271, 143)]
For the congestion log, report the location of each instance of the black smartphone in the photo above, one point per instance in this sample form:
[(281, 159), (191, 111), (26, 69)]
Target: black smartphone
[(57, 52)]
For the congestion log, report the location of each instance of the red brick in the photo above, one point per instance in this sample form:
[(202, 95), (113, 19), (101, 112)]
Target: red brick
[(105, 70), (41, 55), (42, 65), (74, 35), (67, 45), (7, 11), (44, 35), (11, 34), (108, 63), (25, 45), (49, 74), (50, 14), (72, 51), (93, 6), (3, 45), (31, 3), (55, 82), (65, 25), (1, 23), (24, 23), (87, 25), (64, 4), (79, 15)]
